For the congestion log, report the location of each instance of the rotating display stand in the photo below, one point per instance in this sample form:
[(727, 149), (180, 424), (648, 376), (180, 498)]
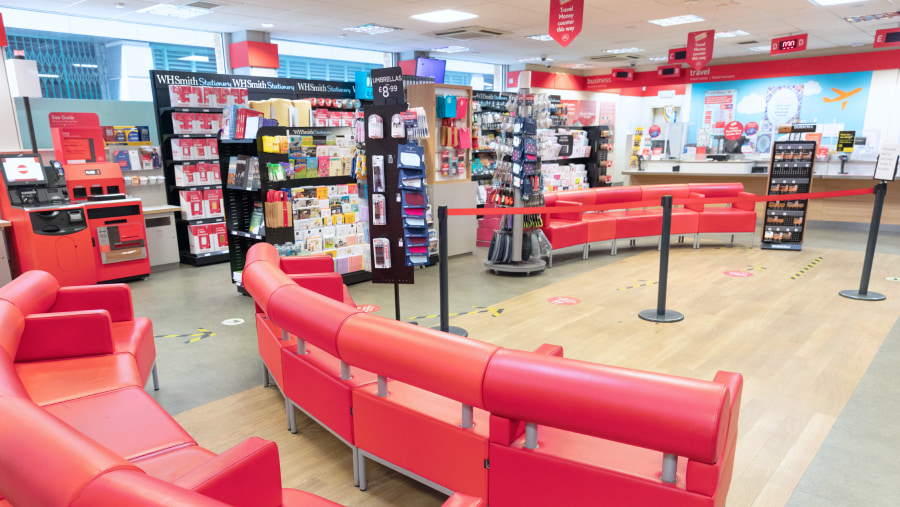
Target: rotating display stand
[(524, 103)]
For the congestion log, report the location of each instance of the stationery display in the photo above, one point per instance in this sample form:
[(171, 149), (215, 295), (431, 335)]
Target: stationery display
[(791, 173)]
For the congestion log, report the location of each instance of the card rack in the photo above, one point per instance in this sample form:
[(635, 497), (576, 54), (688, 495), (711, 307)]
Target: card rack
[(791, 173)]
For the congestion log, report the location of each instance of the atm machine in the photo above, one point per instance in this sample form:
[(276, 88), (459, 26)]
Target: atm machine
[(97, 239)]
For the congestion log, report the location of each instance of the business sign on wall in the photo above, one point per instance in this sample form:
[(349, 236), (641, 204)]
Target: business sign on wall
[(700, 48), (566, 17)]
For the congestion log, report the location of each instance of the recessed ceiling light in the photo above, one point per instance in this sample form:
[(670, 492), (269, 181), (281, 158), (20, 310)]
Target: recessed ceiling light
[(268, 25), (173, 11), (624, 51), (543, 38), (735, 33), (119, 5), (872, 17), (535, 59), (444, 16), (85, 65), (659, 59), (829, 3), (49, 76), (371, 29), (579, 66), (195, 58), (760, 48), (451, 49), (677, 20)]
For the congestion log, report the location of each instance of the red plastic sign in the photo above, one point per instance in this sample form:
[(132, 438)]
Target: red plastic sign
[(368, 308), (733, 130), (562, 300), (790, 44), (566, 17), (739, 274), (678, 55), (887, 38), (3, 41), (751, 128), (654, 131), (700, 48)]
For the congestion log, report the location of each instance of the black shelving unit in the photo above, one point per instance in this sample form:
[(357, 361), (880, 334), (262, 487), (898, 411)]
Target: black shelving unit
[(791, 173), (239, 201), (600, 141)]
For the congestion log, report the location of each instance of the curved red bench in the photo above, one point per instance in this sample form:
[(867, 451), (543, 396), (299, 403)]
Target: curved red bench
[(567, 229), (508, 427), (77, 427)]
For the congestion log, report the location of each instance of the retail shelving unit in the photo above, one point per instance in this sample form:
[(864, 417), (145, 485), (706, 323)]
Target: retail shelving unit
[(599, 140), (791, 173), (240, 201)]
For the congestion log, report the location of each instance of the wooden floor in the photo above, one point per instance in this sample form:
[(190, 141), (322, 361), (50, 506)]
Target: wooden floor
[(801, 348)]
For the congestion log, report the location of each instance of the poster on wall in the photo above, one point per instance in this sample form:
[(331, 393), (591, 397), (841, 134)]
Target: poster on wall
[(608, 114), (587, 112), (833, 102), (718, 110), (783, 106)]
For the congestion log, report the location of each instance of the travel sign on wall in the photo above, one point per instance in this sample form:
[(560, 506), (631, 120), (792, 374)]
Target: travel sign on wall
[(566, 17), (333, 89)]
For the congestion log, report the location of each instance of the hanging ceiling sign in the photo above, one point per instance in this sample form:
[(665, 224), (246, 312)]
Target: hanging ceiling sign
[(566, 17), (700, 48)]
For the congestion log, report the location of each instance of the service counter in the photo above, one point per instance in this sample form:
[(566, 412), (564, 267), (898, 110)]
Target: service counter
[(827, 178)]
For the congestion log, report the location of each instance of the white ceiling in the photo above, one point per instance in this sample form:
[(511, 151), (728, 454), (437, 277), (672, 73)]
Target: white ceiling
[(607, 24)]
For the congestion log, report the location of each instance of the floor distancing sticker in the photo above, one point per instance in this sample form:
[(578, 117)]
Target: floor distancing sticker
[(639, 283), (754, 268), (495, 312), (191, 338), (807, 268)]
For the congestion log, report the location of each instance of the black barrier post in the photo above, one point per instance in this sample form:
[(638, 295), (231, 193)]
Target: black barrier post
[(863, 292), (660, 314), (444, 272)]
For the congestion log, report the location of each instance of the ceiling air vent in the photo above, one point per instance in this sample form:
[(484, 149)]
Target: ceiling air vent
[(469, 33), (200, 4), (749, 42)]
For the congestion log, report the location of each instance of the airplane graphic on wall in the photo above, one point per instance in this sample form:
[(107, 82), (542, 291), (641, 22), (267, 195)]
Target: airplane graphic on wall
[(841, 96)]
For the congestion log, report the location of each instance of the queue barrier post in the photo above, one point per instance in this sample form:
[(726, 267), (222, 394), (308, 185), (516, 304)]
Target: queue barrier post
[(863, 293), (660, 314), (444, 274)]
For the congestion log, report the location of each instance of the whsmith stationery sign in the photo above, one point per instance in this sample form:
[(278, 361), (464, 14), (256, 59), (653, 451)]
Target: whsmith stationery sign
[(302, 87)]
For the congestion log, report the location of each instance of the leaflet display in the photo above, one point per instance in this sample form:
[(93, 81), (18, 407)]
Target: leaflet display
[(791, 173)]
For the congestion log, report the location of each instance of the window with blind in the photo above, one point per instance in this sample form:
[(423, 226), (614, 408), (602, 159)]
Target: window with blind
[(183, 58), (68, 69), (298, 67)]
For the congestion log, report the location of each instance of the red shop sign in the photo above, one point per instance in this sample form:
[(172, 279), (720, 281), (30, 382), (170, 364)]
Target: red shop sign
[(566, 17), (700, 48), (734, 130)]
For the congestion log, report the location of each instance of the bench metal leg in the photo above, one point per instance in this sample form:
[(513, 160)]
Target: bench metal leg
[(732, 240), (361, 464), (155, 377), (291, 414), (612, 249), (551, 259), (265, 375), (584, 252), (355, 466), (752, 236), (697, 241)]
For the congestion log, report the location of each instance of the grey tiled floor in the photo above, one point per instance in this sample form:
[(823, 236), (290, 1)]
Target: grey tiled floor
[(857, 465)]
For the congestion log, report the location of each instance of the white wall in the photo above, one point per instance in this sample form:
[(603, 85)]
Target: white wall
[(10, 140)]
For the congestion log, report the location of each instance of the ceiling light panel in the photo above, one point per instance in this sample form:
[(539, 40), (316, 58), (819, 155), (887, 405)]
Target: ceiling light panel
[(579, 66), (173, 11), (659, 59), (371, 29), (759, 49), (534, 59), (444, 16), (677, 20), (543, 38), (624, 51), (829, 3), (451, 49), (734, 33)]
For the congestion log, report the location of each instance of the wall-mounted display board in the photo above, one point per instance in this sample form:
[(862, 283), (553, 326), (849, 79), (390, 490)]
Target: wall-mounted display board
[(791, 173)]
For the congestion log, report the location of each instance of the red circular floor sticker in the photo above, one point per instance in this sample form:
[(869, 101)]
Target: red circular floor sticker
[(368, 308), (739, 274), (562, 300)]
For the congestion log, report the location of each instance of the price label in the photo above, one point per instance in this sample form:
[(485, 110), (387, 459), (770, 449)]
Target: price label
[(388, 86)]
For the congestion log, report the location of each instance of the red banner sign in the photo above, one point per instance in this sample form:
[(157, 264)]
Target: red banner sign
[(700, 48), (566, 17), (887, 37), (3, 41), (678, 55)]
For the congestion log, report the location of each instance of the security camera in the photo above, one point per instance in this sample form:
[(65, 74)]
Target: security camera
[(633, 64), (545, 62)]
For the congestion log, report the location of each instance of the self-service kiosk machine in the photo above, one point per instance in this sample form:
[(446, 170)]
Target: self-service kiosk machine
[(80, 243)]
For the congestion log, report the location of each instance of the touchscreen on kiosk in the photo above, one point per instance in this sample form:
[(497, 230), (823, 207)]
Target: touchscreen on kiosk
[(22, 170)]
